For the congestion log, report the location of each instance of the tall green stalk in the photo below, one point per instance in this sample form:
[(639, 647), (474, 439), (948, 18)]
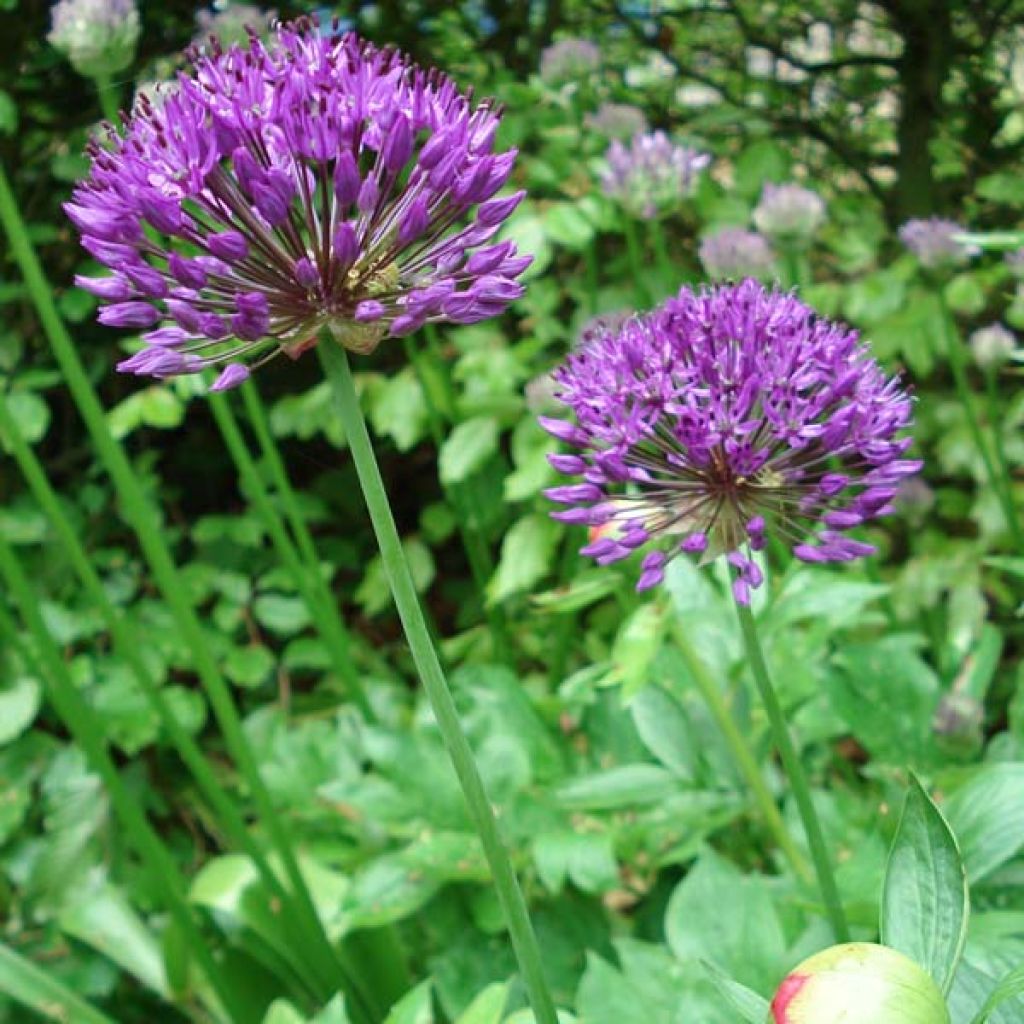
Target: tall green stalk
[(108, 92), (87, 733), (795, 773), (524, 942), (996, 423), (336, 641), (957, 355), (145, 521), (741, 752), (127, 645), (636, 263)]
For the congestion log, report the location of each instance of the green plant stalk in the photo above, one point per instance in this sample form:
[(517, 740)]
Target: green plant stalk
[(1000, 484), (87, 733), (144, 520), (661, 256), (336, 642), (524, 942), (227, 814), (108, 94), (25, 983), (796, 775), (995, 419), (793, 266), (636, 263), (741, 752), (593, 275)]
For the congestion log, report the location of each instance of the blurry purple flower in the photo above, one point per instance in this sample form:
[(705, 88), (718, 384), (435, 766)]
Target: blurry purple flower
[(569, 60), (230, 23), (652, 174), (789, 212), (719, 417), (617, 120), (933, 241), (1015, 261), (317, 182), (98, 37), (992, 346), (914, 499), (734, 253)]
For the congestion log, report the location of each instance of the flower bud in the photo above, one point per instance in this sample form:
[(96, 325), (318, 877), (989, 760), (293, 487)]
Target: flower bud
[(98, 37), (858, 983)]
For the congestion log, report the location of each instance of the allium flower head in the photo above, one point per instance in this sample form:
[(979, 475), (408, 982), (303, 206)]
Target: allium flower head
[(933, 240), (98, 37), (230, 23), (734, 253), (315, 182), (617, 120), (789, 212), (721, 416), (569, 60), (992, 346), (652, 174)]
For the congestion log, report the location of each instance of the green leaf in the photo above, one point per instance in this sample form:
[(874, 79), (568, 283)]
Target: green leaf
[(8, 114), (565, 224), (414, 1007), (487, 1007), (752, 1007), (925, 900), (760, 162), (526, 554), (1010, 987), (248, 666), (281, 614), (39, 991), (987, 816), (586, 859), (636, 646), (665, 730), (31, 414), (398, 409), (467, 448), (19, 703), (624, 786)]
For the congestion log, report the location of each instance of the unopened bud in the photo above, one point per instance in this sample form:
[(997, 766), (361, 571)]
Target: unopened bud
[(858, 983)]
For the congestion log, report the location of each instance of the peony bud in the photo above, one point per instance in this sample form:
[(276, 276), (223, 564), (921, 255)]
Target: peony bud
[(858, 983)]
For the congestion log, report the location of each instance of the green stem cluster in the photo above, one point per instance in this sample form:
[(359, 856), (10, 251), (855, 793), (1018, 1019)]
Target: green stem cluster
[(524, 942)]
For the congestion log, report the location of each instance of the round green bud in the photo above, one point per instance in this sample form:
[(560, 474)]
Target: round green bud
[(858, 983)]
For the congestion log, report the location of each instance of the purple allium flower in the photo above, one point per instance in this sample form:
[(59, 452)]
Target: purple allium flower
[(720, 416), (992, 346), (617, 120), (733, 253), (1015, 261), (789, 212), (569, 60), (230, 23), (933, 240), (98, 37), (316, 182), (652, 174)]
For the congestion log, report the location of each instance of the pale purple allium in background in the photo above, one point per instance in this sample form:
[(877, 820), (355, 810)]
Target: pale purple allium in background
[(992, 346), (734, 253), (318, 182), (789, 212), (652, 174), (1015, 261), (569, 60), (933, 240), (98, 37), (617, 120), (720, 417), (230, 23)]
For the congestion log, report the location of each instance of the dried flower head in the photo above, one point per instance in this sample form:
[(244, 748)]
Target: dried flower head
[(789, 212), (935, 242), (568, 60), (720, 416), (617, 120), (652, 174), (734, 253), (992, 346), (98, 37), (230, 23), (315, 182)]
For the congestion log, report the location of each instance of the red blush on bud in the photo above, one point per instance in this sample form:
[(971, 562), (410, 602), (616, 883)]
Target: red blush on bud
[(787, 992)]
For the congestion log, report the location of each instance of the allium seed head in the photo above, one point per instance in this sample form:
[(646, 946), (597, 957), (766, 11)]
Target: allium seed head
[(789, 212), (617, 120), (652, 174), (992, 346), (734, 253), (721, 416), (568, 60), (230, 23), (98, 37), (314, 182), (934, 241)]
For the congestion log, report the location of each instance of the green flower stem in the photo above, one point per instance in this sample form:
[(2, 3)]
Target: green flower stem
[(524, 942), (593, 276), (87, 733), (956, 353), (145, 521), (661, 255), (796, 775), (741, 751), (637, 268), (995, 418), (336, 642), (108, 97), (26, 983), (128, 647), (793, 265)]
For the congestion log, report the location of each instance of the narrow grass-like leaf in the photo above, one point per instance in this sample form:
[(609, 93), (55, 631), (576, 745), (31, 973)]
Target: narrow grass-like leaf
[(751, 1006)]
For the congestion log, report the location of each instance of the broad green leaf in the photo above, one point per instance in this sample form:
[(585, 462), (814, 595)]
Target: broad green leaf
[(752, 1007), (636, 646), (585, 859), (39, 991), (925, 901), (987, 816), (19, 703), (526, 555), (281, 1011), (488, 1006), (414, 1007), (565, 224), (282, 614), (665, 729), (1010, 987), (624, 786), (467, 448), (248, 666), (31, 413)]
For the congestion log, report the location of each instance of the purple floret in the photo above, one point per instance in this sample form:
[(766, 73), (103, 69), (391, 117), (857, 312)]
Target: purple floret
[(935, 242), (316, 182), (720, 417)]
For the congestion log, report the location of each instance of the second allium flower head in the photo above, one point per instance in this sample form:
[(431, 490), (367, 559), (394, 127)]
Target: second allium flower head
[(317, 182), (722, 416)]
